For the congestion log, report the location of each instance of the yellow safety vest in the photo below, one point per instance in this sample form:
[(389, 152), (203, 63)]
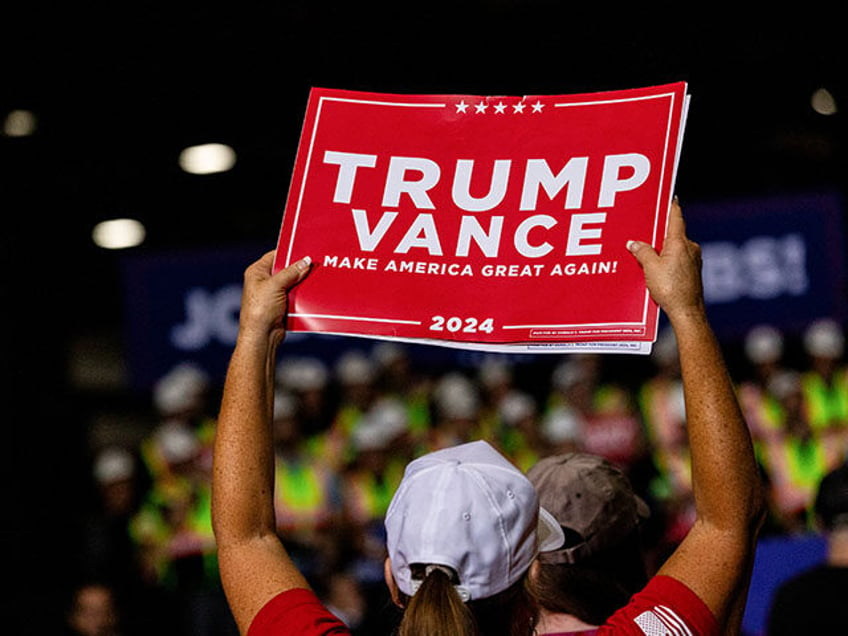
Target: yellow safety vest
[(660, 420), (515, 446), (153, 532), (302, 495), (368, 497), (798, 466), (827, 405)]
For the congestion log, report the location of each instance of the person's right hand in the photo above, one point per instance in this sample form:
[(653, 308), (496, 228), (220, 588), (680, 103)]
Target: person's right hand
[(673, 277)]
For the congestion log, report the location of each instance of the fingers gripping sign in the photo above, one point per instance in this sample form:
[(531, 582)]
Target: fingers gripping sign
[(673, 277), (265, 294)]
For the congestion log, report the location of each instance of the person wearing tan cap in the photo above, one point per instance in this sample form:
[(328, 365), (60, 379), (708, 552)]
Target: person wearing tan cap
[(600, 566), (594, 583)]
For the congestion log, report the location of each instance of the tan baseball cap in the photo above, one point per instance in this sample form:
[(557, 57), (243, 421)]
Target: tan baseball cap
[(589, 496)]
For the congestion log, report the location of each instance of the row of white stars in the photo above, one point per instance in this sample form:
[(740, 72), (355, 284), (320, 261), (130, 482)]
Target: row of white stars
[(499, 108)]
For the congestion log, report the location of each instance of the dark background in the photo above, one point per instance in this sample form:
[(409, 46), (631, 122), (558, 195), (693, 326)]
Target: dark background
[(120, 89)]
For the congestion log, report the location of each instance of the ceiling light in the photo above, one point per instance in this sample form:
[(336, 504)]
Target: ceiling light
[(117, 234), (207, 158), (19, 123), (823, 102)]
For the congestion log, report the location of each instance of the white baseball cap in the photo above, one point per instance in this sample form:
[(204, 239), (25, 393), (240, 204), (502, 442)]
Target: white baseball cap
[(467, 507)]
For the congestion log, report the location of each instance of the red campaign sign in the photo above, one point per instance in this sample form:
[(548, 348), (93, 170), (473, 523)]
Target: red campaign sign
[(482, 222)]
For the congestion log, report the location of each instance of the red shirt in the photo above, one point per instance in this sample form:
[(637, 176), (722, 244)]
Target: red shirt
[(296, 611), (664, 607)]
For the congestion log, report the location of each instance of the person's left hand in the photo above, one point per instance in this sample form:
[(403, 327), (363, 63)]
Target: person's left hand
[(264, 298)]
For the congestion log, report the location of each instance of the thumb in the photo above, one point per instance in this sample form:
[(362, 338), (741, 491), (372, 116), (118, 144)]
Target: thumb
[(642, 252), (294, 273)]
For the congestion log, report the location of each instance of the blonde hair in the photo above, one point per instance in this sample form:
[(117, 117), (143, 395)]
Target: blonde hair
[(437, 609)]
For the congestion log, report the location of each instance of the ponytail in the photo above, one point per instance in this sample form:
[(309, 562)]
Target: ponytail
[(436, 609)]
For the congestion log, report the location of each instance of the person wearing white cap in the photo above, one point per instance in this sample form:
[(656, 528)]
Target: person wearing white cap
[(519, 434), (796, 458), (309, 380), (462, 529), (356, 376), (764, 349), (106, 551), (587, 586), (181, 398), (398, 377), (825, 381), (370, 480), (457, 403)]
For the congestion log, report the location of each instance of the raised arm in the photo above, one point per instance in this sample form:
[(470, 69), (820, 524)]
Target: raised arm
[(253, 563), (715, 558)]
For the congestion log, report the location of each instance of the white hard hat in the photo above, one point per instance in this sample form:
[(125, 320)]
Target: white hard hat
[(516, 406), (764, 344), (112, 465), (302, 374), (180, 388), (824, 339), (354, 367)]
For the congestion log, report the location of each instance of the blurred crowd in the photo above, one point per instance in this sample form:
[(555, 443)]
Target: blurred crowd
[(344, 432)]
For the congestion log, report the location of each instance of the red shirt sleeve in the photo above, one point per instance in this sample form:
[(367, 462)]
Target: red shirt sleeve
[(296, 612), (665, 606)]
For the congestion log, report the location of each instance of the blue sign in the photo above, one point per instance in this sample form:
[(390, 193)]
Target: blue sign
[(778, 261), (182, 306)]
